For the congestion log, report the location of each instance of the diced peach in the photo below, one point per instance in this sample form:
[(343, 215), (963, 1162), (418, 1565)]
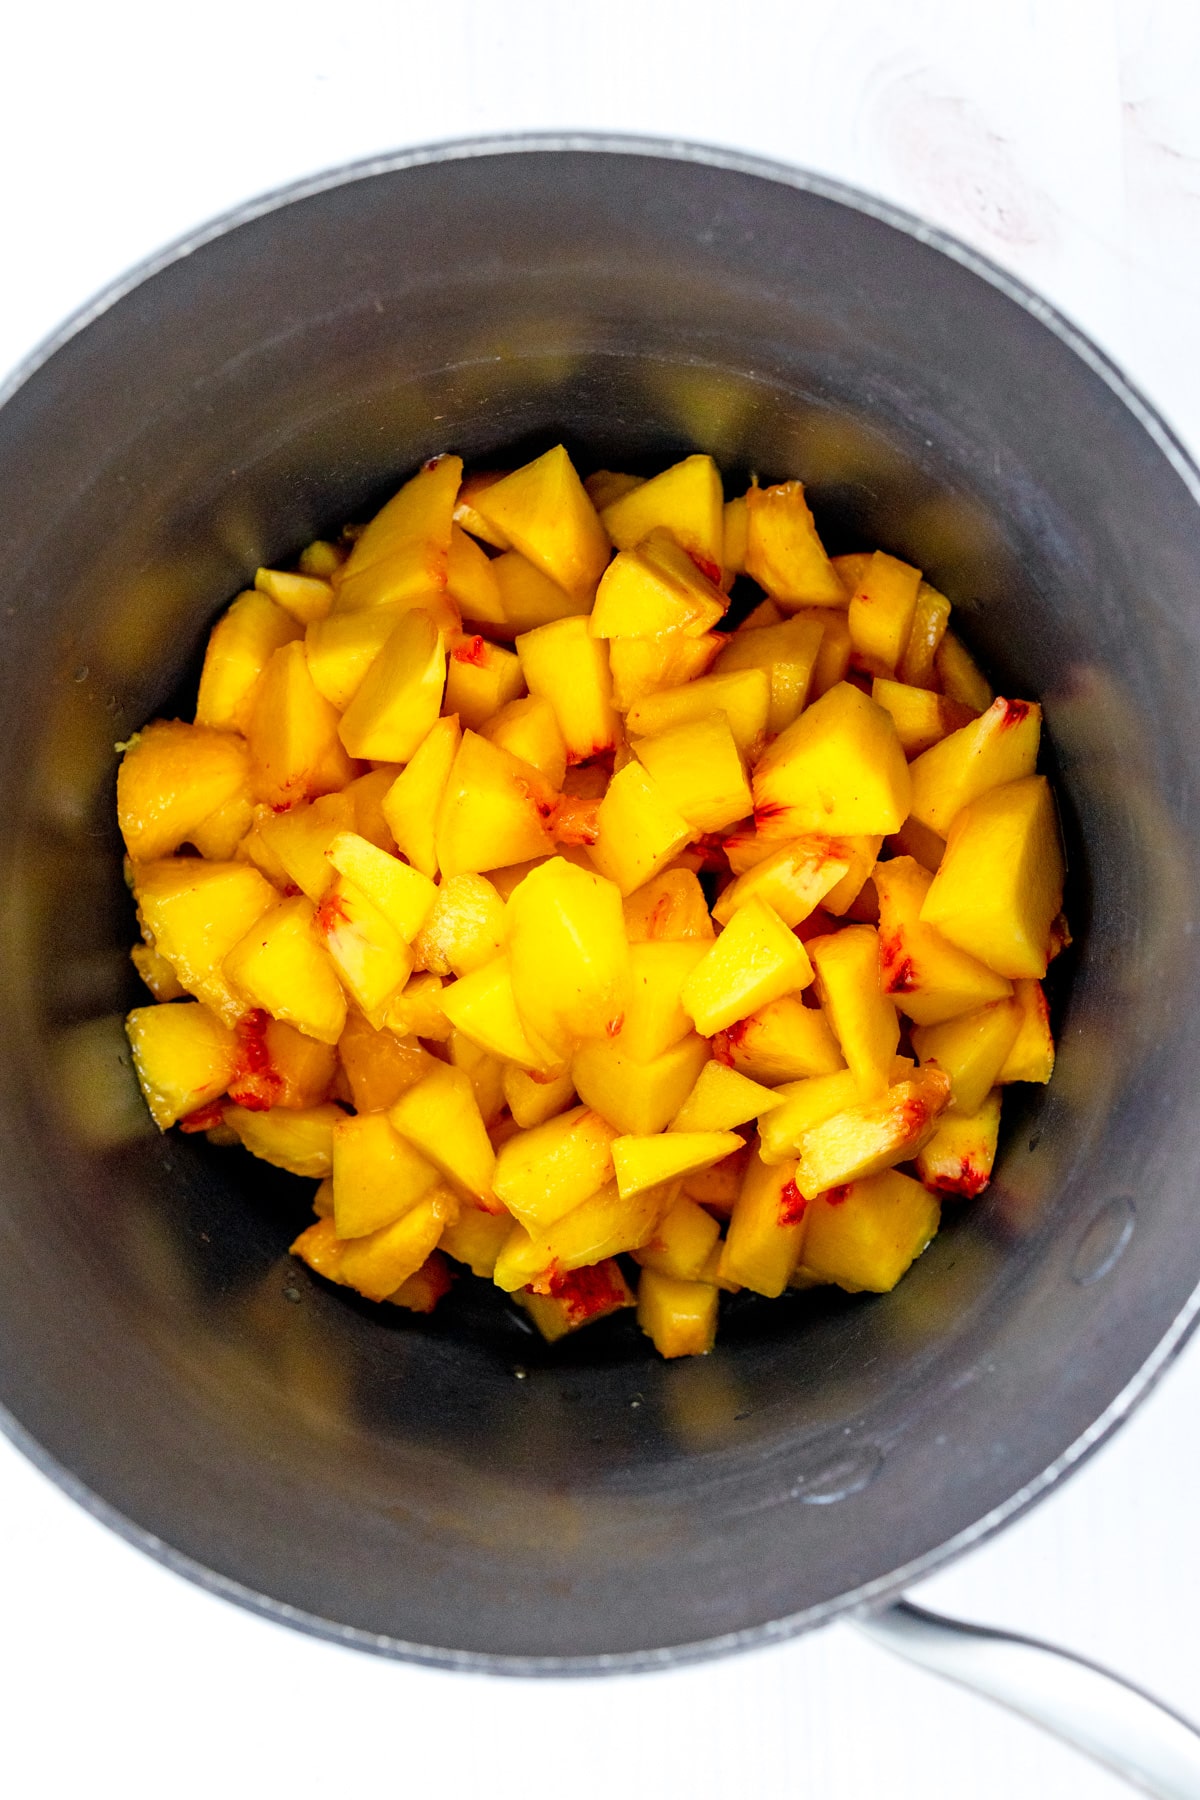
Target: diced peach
[(783, 1041), (922, 718), (399, 697), (686, 500), (465, 513), (839, 769), (755, 960), (638, 831), (637, 1098), (544, 512), (299, 838), (279, 1066), (683, 1241), (379, 1065), (958, 1158), (471, 580), (485, 1073), (240, 645), (567, 666), (413, 802), (929, 979), (300, 1142), (793, 879), (863, 1017), (872, 1136), (377, 1176), (322, 557), (959, 675), (402, 894), (850, 568), (670, 906), (679, 1317), (654, 1014), (580, 1297), (531, 1098), (321, 1248), (999, 887), (340, 649), (543, 1173), (642, 666), (482, 1005), (371, 958), (787, 654), (743, 695), (295, 750), (172, 778), (569, 954), (916, 840), (464, 928), (401, 558), (528, 598), (930, 618), (495, 810), (440, 1118), (604, 486), (603, 1225), (476, 1238), (998, 747), (766, 1229), (416, 1010), (882, 609), (380, 1263), (184, 1058), (721, 1100), (195, 912), (803, 1104), (654, 588), (863, 1236), (480, 679), (717, 1188), (698, 770), (282, 966), (648, 1162), (157, 973), (304, 597), (733, 550), (528, 728), (971, 1049), (1032, 1055), (833, 658), (421, 1291), (367, 794), (220, 836), (784, 553)]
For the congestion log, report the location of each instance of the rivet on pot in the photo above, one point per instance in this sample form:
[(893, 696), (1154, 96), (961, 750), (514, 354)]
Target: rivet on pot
[(1105, 1240)]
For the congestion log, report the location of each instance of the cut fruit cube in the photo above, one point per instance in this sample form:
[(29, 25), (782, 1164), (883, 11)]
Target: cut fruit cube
[(601, 1226), (927, 976), (305, 597), (440, 1118), (930, 618), (300, 1142), (637, 830), (414, 800), (837, 770), (722, 1099), (783, 552), (367, 795), (569, 955), (922, 718), (683, 1241), (465, 513), (971, 1049), (717, 1188), (685, 500), (495, 811), (400, 696), (958, 1158), (194, 912), (528, 729), (157, 973), (377, 1176), (999, 887), (219, 837), (669, 907), (322, 557), (402, 557), (863, 853), (998, 747), (282, 966), (532, 1099), (471, 580), (787, 654), (1032, 1055), (240, 645), (416, 1011), (654, 588), (793, 879), (863, 1017), (528, 598), (647, 1162), (482, 1006), (733, 554), (321, 1248), (698, 770), (851, 568), (279, 1066), (544, 512), (863, 1236), (679, 1317), (579, 1298), (295, 750), (833, 658), (379, 1066), (403, 895), (485, 1073), (422, 1290), (172, 778), (298, 840), (917, 841), (642, 666), (637, 1098), (654, 1014), (754, 961), (480, 679), (766, 1230), (476, 1238), (377, 1265), (783, 1041), (543, 1173), (606, 485), (875, 1135), (464, 928), (184, 1058), (959, 675), (803, 1104), (882, 609), (743, 695), (372, 960), (339, 650), (567, 666)]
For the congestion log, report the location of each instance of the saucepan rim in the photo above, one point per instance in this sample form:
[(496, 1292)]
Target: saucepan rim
[(1151, 422)]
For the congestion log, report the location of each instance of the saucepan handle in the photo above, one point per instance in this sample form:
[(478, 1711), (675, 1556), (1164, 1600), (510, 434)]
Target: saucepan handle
[(1107, 1718)]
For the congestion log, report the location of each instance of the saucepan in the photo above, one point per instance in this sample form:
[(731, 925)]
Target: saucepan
[(448, 1490)]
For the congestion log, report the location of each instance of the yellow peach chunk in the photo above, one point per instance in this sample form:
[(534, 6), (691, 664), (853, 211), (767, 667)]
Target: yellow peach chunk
[(377, 1176), (568, 667), (787, 654), (743, 695), (839, 769), (568, 954), (400, 696), (378, 1065), (998, 747), (783, 1041), (683, 1241), (863, 1017), (482, 1005), (669, 906), (637, 830), (292, 731), (305, 597), (378, 1264), (414, 800), (637, 1098), (239, 647), (528, 729), (476, 1238), (580, 1297), (480, 679), (464, 928), (999, 887), (959, 675), (184, 1058), (930, 618), (1032, 1055), (300, 1142), (864, 1235), (401, 558), (440, 1118), (402, 894), (803, 1104), (926, 975), (299, 838), (340, 649), (686, 500), (494, 810), (642, 666), (371, 958), (754, 961), (921, 717), (544, 512), (766, 1229), (532, 1098), (172, 778), (971, 1049), (282, 966), (793, 878), (603, 1225), (784, 553), (528, 598), (157, 973), (471, 580), (958, 1158), (872, 1136), (544, 1172), (654, 1015), (194, 912), (655, 588), (679, 1317), (698, 769), (882, 609), (646, 1162)]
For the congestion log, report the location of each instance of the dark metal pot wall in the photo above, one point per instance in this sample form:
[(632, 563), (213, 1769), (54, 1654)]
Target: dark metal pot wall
[(394, 1481)]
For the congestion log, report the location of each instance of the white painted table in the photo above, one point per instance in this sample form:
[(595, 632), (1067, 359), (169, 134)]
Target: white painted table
[(1063, 138)]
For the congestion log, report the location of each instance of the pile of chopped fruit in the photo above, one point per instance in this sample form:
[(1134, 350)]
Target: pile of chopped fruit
[(560, 931)]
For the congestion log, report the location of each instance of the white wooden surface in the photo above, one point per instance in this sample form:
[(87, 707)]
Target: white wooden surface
[(1062, 137)]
